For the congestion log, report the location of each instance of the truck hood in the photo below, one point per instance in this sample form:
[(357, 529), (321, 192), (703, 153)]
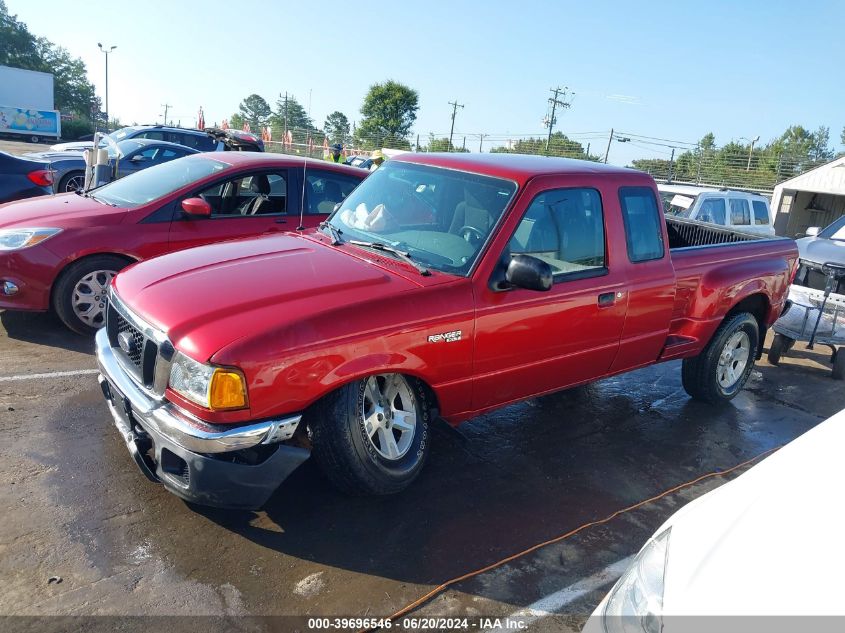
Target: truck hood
[(61, 211), (821, 250), (767, 543), (206, 298)]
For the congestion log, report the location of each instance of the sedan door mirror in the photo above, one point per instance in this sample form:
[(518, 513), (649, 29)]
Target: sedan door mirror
[(525, 271), (196, 207), (813, 231)]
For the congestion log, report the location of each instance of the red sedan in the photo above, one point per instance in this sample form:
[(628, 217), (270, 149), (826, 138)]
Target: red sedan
[(60, 252)]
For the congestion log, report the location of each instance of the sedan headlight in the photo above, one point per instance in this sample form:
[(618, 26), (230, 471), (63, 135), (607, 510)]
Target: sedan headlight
[(635, 603), (215, 388), (15, 239)]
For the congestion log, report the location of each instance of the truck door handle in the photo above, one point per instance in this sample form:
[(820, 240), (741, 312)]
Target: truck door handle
[(607, 299)]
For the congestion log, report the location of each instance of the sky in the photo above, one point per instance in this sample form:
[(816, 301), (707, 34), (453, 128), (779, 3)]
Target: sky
[(669, 70)]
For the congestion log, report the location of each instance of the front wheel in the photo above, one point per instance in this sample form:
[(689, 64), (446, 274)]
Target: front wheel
[(839, 364), (371, 437), (722, 368), (80, 295)]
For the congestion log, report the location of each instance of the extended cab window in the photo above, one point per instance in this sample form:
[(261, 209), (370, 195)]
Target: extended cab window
[(643, 223), (761, 212), (740, 213), (564, 228)]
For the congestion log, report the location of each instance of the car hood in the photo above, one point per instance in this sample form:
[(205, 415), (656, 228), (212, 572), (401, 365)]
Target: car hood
[(821, 250), (767, 543), (63, 210), (208, 297), (54, 156)]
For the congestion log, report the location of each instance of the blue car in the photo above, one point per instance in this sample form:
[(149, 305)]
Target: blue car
[(23, 178)]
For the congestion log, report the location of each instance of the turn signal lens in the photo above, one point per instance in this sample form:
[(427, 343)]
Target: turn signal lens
[(227, 390)]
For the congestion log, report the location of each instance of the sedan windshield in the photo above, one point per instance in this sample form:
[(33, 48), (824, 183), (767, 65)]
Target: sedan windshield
[(835, 231), (156, 182), (439, 217)]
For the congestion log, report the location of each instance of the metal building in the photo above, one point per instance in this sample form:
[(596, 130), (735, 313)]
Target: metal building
[(815, 198)]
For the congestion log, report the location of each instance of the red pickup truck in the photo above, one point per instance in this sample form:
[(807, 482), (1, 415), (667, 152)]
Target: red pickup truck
[(225, 366)]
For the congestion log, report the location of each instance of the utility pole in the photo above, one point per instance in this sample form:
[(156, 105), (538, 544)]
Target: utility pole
[(107, 50), (588, 151), (698, 169), (418, 143), (285, 137), (607, 151), (166, 106), (555, 102), (671, 167), (455, 105), (481, 141)]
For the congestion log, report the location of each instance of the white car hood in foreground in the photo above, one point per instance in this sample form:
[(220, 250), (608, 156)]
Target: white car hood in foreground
[(769, 542)]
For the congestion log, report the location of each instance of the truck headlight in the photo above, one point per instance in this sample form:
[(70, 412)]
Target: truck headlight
[(635, 603), (215, 388), (15, 239)]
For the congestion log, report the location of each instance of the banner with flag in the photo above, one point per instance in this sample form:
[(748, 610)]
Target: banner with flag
[(325, 145), (310, 144), (246, 127), (225, 124), (289, 138), (201, 120)]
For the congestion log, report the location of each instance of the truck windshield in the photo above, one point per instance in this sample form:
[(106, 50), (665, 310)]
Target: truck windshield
[(835, 231), (156, 182), (440, 217)]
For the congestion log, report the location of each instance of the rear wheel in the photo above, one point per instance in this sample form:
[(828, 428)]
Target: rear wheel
[(80, 294), (721, 370), (780, 346), (371, 437), (839, 364), (71, 182)]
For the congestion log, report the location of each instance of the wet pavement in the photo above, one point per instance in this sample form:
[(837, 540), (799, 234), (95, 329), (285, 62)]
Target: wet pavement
[(75, 507)]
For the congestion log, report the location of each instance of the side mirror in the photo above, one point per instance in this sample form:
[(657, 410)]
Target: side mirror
[(196, 207), (525, 271), (813, 231)]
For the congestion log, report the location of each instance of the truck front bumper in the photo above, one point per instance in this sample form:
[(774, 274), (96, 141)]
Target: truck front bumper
[(196, 461)]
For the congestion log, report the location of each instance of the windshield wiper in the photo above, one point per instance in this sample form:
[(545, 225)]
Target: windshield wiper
[(403, 255), (333, 231)]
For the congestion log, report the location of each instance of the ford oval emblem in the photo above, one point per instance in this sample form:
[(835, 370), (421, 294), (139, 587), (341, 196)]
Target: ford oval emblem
[(126, 342)]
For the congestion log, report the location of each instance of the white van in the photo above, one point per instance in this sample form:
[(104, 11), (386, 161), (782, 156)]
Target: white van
[(738, 210)]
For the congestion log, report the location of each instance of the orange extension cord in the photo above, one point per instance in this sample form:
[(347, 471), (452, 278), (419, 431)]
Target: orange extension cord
[(440, 588)]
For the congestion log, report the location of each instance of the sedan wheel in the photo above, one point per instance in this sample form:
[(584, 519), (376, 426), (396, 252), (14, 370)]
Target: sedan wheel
[(74, 183), (90, 297)]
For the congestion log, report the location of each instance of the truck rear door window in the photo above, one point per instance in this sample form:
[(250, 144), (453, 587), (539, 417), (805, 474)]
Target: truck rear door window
[(761, 212), (643, 223), (564, 228), (713, 210)]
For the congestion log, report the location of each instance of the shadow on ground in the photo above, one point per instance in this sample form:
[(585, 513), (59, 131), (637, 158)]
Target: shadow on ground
[(43, 328)]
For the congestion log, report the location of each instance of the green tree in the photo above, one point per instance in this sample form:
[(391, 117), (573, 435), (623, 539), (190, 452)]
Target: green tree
[(559, 145), (442, 145), (19, 48), (253, 110), (297, 117), (388, 113), (236, 121), (337, 127)]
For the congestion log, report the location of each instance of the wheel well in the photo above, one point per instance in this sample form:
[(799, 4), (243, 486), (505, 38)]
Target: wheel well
[(126, 258), (758, 306)]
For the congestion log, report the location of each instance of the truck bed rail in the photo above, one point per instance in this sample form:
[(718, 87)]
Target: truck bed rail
[(684, 233)]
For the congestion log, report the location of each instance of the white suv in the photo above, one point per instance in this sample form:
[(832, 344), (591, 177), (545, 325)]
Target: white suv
[(738, 210)]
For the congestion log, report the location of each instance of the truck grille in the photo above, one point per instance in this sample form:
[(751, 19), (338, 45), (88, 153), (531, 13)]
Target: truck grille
[(145, 353)]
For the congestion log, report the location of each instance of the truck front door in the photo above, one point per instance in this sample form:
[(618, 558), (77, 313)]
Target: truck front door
[(530, 342)]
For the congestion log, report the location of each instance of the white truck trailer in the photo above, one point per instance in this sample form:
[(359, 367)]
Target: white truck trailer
[(27, 109)]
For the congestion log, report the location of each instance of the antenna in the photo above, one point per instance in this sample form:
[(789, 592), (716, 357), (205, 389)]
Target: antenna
[(301, 226)]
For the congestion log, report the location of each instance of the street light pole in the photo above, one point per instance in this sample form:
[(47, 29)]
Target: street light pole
[(107, 50), (750, 150)]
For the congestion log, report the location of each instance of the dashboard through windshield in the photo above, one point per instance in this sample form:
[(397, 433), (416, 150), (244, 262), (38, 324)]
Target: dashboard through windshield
[(440, 217)]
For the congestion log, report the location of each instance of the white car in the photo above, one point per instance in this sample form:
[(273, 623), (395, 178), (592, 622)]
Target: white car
[(739, 210), (767, 543)]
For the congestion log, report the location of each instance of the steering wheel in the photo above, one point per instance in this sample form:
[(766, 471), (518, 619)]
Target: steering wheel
[(468, 231)]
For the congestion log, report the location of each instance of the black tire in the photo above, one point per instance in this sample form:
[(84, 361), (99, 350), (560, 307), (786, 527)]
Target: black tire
[(63, 290), (347, 456), (66, 179), (839, 364), (779, 347), (699, 374)]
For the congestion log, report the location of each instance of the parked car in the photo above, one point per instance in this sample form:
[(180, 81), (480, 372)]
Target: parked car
[(819, 247), (739, 210), (126, 157), (197, 139), (744, 549), (60, 252), (23, 178), (534, 274)]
